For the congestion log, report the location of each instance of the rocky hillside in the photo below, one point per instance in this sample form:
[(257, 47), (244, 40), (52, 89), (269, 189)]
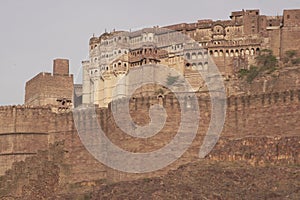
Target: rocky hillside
[(209, 180)]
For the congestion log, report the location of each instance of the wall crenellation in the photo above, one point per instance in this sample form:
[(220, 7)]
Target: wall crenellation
[(28, 129), (170, 101), (264, 98)]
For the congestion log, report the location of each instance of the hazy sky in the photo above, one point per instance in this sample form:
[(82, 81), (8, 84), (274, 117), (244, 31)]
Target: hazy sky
[(34, 32)]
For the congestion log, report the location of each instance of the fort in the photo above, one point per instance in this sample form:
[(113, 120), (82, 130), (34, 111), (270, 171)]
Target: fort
[(40, 137), (233, 44)]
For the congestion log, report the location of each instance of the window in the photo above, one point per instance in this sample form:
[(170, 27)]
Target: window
[(288, 16), (193, 55), (188, 56)]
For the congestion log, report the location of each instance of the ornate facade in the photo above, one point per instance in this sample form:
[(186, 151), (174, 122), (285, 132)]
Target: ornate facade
[(232, 44)]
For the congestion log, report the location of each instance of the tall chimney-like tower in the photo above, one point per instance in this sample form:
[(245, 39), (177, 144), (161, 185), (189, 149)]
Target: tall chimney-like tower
[(61, 67)]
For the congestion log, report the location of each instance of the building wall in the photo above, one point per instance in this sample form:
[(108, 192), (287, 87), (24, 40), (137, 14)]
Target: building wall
[(290, 32), (47, 88), (233, 44)]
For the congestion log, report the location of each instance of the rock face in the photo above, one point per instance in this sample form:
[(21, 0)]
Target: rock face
[(38, 177), (255, 166), (201, 180), (258, 150)]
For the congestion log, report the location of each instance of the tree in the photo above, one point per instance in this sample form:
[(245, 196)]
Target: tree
[(266, 61)]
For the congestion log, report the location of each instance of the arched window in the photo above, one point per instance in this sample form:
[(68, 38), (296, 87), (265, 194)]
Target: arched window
[(200, 55), (216, 53), (242, 52), (200, 66), (252, 52), (237, 52), (194, 66), (247, 52), (227, 53), (257, 50), (205, 67), (193, 56), (188, 56), (221, 53)]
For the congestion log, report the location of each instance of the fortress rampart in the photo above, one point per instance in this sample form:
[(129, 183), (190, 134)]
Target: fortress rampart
[(24, 130)]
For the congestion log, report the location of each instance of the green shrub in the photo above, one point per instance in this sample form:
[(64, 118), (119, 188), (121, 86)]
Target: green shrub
[(252, 74), (291, 58), (171, 80), (296, 61), (291, 53), (243, 72), (266, 62)]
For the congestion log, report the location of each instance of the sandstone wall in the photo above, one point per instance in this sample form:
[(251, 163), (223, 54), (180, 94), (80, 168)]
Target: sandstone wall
[(24, 130), (290, 31), (45, 89)]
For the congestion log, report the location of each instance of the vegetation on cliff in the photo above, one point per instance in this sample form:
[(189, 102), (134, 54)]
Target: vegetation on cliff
[(266, 63), (291, 58)]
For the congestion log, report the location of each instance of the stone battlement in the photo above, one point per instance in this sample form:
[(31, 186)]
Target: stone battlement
[(26, 129)]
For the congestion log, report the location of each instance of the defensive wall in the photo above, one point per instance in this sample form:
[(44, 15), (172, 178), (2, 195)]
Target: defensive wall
[(273, 117)]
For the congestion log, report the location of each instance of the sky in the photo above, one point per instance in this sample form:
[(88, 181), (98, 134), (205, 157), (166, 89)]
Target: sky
[(34, 32)]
